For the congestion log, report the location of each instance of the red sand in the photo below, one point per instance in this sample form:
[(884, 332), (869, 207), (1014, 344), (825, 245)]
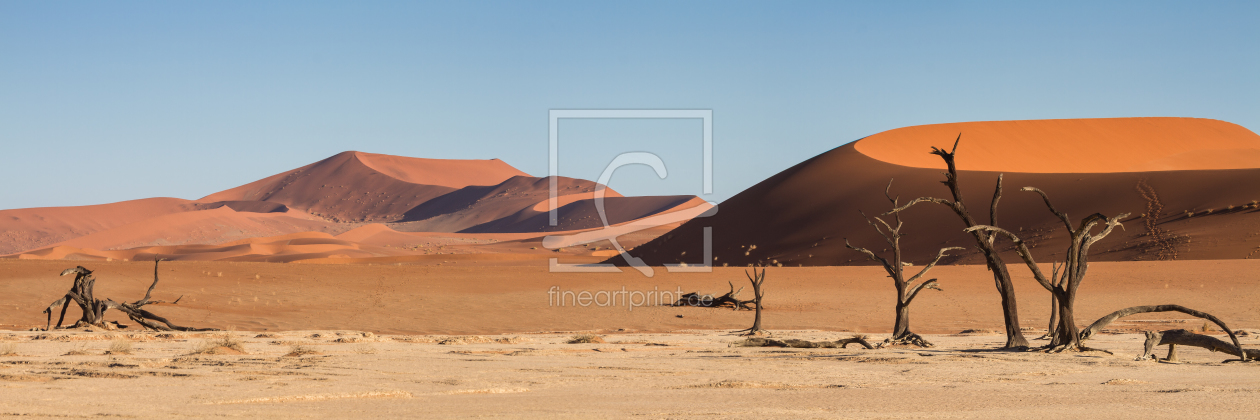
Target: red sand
[(397, 196), (1078, 145), (802, 215), (501, 293)]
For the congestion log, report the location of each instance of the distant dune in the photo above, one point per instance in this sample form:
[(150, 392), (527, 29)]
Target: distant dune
[(1183, 205), (381, 200)]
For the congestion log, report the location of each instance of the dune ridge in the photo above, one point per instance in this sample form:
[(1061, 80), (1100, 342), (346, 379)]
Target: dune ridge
[(803, 215), (333, 196), (1099, 145)]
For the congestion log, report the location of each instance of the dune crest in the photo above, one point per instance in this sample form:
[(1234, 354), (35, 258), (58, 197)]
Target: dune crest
[(1101, 145)]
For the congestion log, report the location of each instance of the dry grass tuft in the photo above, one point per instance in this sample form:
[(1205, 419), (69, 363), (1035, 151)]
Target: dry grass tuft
[(469, 339), (417, 339), (586, 339), (298, 350), (119, 347), (223, 344), (8, 349), (489, 391)]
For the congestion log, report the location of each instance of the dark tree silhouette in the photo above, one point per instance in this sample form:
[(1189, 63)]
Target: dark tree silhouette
[(94, 309), (1065, 279), (907, 289), (984, 241)]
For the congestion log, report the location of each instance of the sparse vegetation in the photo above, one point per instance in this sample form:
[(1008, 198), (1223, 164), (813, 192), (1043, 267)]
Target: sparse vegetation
[(298, 350), (119, 347), (8, 349), (225, 343), (586, 339)]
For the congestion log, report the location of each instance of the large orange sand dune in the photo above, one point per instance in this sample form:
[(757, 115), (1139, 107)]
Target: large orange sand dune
[(801, 216)]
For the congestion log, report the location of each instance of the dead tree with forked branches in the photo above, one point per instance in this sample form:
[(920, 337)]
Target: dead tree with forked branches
[(907, 289), (984, 242), (81, 293), (1064, 278), (757, 280)]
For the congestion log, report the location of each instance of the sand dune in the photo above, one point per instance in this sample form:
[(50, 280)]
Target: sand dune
[(335, 195), (222, 234), (802, 215), (23, 229), (1100, 145)]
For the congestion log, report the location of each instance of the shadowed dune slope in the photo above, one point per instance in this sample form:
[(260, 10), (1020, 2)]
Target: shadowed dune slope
[(331, 196), (346, 187), (802, 215)]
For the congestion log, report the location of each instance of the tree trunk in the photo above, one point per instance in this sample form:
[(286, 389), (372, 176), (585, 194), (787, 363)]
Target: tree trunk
[(1010, 313), (1054, 316), (902, 326), (1066, 334)]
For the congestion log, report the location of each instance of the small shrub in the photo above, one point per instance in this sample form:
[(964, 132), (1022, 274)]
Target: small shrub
[(119, 347), (223, 344), (8, 349), (586, 339), (298, 350)]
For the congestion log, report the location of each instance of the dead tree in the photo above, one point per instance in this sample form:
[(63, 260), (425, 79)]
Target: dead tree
[(730, 299), (1064, 278), (757, 280), (1173, 339), (94, 309), (984, 242), (803, 344), (907, 289)]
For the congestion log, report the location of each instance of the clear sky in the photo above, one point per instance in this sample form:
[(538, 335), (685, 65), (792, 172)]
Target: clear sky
[(110, 101)]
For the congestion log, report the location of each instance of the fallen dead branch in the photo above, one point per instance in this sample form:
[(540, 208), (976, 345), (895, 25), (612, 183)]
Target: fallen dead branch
[(802, 344), (81, 293), (1179, 337), (1103, 322)]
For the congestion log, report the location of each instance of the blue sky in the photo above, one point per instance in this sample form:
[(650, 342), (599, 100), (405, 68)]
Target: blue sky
[(110, 101)]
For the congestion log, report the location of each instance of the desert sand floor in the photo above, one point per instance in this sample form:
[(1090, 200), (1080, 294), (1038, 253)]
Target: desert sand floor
[(469, 294), (681, 375), (458, 336)]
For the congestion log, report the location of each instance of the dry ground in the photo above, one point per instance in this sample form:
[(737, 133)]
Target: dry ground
[(682, 375), (461, 294), (466, 337)]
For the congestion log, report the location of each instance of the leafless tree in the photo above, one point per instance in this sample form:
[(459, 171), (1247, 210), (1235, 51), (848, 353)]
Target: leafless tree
[(757, 280), (94, 309), (907, 289), (984, 241), (1064, 279)]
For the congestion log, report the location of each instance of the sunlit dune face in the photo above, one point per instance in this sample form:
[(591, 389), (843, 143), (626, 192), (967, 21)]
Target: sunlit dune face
[(1073, 146)]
